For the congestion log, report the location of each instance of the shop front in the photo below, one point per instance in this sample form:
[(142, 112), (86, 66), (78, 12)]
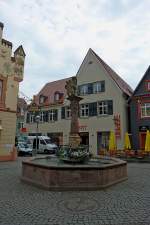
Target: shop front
[(102, 141), (142, 136)]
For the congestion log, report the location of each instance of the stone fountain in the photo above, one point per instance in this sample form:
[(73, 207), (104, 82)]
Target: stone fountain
[(74, 152), (73, 169)]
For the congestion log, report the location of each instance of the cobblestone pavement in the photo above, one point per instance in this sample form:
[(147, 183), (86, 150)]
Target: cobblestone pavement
[(127, 203)]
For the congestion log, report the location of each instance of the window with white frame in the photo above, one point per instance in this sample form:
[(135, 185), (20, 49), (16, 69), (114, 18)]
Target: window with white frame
[(97, 87), (145, 109), (84, 110), (41, 99), (21, 125), (42, 117), (102, 108), (68, 112), (84, 89), (51, 115), (32, 118), (56, 96), (22, 111)]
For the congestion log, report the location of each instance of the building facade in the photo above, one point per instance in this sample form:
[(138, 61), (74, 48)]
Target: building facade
[(140, 111), (11, 73), (103, 108), (21, 110)]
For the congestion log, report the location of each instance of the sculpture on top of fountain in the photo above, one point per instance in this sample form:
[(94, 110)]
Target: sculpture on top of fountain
[(71, 87)]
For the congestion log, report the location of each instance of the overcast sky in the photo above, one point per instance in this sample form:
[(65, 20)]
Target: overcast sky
[(56, 35)]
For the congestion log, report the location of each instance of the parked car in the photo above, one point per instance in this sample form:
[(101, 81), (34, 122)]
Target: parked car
[(23, 149), (43, 145)]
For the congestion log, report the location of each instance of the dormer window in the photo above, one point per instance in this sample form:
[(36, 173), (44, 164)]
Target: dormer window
[(42, 99), (57, 96)]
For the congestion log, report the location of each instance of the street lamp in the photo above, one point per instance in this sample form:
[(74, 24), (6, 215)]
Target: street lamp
[(37, 120)]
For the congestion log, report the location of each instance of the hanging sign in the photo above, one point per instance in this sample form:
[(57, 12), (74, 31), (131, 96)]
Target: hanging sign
[(117, 125)]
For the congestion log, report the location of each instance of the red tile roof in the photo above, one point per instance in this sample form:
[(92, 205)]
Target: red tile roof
[(118, 80), (50, 89)]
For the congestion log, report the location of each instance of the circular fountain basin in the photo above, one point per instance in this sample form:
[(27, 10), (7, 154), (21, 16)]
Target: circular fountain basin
[(53, 174)]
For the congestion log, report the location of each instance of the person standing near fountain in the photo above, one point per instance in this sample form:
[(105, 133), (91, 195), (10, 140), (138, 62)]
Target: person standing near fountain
[(71, 87)]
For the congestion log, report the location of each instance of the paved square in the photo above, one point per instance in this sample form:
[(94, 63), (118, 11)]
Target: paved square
[(127, 203)]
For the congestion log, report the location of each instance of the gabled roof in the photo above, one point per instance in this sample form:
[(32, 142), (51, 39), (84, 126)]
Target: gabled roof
[(118, 80), (21, 103), (143, 78), (20, 48), (51, 88)]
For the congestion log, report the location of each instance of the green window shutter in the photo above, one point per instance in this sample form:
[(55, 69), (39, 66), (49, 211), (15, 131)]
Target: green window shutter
[(63, 112), (93, 109), (90, 88), (28, 118), (110, 107), (103, 86), (35, 114), (56, 115), (45, 118)]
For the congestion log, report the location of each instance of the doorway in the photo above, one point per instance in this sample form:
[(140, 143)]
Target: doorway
[(102, 141), (142, 140), (84, 138)]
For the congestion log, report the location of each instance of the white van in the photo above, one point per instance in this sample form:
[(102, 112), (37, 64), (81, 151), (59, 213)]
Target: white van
[(44, 144)]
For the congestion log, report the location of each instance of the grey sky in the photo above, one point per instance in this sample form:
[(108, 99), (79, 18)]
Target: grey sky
[(56, 35)]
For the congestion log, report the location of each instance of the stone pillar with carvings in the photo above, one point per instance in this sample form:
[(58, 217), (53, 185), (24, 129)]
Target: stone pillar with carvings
[(71, 87)]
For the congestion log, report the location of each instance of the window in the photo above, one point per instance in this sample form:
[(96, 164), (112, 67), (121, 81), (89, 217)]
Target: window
[(84, 110), (1, 89), (68, 112), (148, 85), (56, 96), (22, 112), (99, 87), (105, 107), (145, 110), (51, 115), (42, 142), (32, 118), (21, 124), (41, 116), (102, 108), (41, 99), (84, 89)]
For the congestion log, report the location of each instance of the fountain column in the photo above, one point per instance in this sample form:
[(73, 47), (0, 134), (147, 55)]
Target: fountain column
[(71, 87)]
